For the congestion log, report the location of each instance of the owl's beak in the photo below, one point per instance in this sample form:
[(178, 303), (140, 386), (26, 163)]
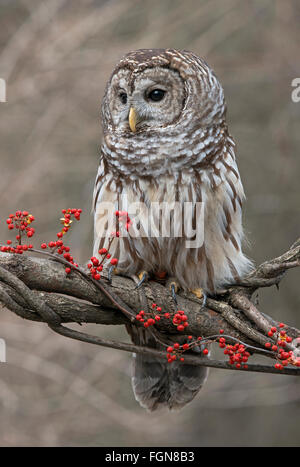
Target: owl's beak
[(132, 119)]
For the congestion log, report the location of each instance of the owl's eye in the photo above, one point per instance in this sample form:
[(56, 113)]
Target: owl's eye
[(156, 95), (123, 97)]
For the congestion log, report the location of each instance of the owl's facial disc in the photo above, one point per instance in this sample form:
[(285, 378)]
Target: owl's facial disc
[(145, 100)]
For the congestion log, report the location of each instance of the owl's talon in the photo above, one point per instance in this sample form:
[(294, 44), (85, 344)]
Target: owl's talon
[(143, 276), (173, 293), (110, 271), (204, 300), (200, 294), (173, 287)]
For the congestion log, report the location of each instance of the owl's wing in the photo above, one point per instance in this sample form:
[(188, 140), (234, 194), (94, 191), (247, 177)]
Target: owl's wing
[(223, 196), (104, 204)]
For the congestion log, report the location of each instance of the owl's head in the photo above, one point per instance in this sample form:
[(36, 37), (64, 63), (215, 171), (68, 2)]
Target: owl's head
[(151, 90)]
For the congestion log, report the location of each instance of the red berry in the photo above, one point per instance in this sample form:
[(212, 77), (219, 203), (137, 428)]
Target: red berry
[(95, 261)]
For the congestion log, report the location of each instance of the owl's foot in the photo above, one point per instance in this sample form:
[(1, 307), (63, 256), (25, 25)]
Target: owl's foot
[(173, 286), (112, 270), (200, 294), (143, 276)]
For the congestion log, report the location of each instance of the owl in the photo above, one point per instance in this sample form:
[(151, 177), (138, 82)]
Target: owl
[(166, 143)]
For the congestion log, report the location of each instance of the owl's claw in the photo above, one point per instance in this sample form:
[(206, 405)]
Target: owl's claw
[(173, 292), (143, 276), (110, 271), (173, 287), (200, 294), (204, 300)]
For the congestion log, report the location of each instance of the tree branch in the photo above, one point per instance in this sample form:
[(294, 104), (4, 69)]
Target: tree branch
[(38, 289)]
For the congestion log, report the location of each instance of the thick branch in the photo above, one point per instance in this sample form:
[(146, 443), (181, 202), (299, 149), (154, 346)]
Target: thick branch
[(38, 289)]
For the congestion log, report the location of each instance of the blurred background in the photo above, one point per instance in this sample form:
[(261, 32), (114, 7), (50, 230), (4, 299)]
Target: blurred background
[(56, 56)]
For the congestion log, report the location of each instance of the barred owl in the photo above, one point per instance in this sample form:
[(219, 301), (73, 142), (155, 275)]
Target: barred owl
[(166, 140)]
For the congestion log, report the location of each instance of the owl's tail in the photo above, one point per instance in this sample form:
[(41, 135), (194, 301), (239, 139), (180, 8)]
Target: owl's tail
[(157, 383)]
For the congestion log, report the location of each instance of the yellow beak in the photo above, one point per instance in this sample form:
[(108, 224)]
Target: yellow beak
[(132, 119)]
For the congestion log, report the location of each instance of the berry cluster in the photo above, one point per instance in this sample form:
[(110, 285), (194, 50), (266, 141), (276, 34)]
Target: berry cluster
[(282, 339), (96, 265), (67, 220), (124, 220), (141, 317), (175, 352), (237, 353), (58, 246), (19, 221), (179, 318)]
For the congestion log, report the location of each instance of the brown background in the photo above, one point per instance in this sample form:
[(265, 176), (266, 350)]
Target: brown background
[(56, 56)]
